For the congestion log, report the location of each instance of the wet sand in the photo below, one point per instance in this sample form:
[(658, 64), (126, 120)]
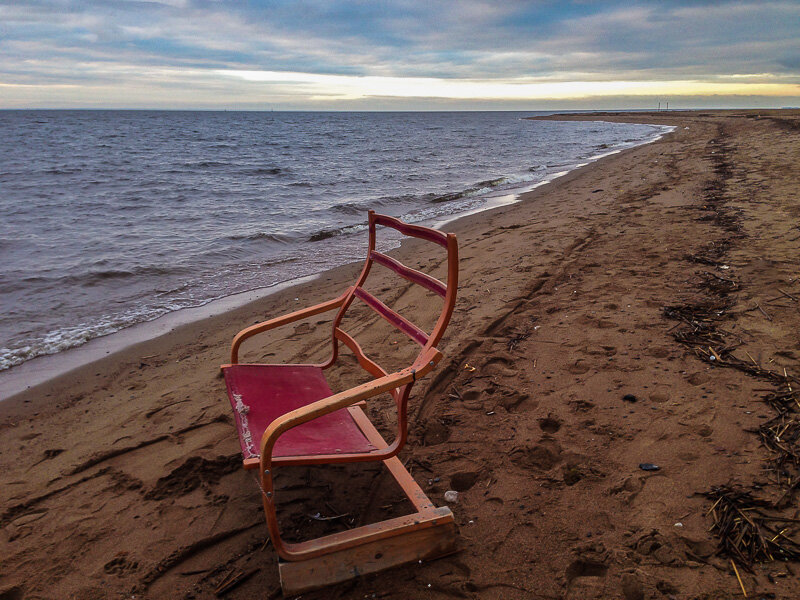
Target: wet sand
[(122, 478)]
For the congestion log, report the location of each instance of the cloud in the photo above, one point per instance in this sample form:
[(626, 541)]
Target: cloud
[(589, 50)]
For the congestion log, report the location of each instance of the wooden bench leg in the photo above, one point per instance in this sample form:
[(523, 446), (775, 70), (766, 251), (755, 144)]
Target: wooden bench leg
[(409, 546), (428, 533)]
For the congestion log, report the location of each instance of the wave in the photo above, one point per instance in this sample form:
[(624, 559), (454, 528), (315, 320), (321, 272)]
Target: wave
[(324, 234), (479, 188), (204, 164), (262, 236), (264, 171), (62, 339), (97, 276), (62, 170), (351, 208), (360, 208)]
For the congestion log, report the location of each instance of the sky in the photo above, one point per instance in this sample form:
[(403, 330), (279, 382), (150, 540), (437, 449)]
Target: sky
[(403, 55)]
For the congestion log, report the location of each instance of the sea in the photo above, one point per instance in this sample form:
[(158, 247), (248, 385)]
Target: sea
[(109, 219)]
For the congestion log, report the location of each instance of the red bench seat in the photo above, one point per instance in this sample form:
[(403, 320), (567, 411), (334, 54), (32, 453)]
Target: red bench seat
[(259, 394)]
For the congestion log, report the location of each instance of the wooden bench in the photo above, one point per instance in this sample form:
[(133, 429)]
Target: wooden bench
[(288, 415)]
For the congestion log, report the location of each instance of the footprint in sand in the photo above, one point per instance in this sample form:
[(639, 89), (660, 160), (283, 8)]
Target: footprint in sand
[(660, 352), (302, 328), (542, 456), (549, 424), (473, 399), (120, 565), (436, 433), (499, 365), (579, 367), (514, 401), (698, 378), (599, 350), (705, 430), (586, 574), (606, 324), (659, 395), (12, 593), (463, 481)]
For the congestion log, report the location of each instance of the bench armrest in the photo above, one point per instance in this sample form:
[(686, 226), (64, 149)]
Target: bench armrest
[(341, 400), (283, 320)]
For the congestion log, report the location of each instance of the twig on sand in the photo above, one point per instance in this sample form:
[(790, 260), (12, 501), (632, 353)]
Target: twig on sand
[(319, 517), (229, 584), (735, 570), (763, 312)]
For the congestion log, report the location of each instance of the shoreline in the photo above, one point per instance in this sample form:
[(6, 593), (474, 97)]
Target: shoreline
[(562, 374), (41, 369)]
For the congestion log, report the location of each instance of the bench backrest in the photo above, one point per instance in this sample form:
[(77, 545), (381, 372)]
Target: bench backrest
[(446, 291)]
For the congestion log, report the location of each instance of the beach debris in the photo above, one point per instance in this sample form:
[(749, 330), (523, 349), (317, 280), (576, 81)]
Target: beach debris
[(630, 398), (699, 329), (748, 529), (451, 496), (738, 577), (649, 467), (233, 579), (718, 284), (318, 517), (781, 436), (763, 312), (515, 339)]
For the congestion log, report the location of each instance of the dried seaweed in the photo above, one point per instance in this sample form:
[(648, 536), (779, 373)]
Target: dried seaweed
[(700, 328), (516, 338), (781, 436), (749, 531)]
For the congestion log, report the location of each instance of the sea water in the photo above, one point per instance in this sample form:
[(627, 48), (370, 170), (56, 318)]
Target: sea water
[(112, 218)]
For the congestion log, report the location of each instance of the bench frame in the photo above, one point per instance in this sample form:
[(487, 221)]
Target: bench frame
[(425, 534)]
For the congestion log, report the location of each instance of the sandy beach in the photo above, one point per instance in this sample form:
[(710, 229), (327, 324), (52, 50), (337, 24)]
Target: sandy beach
[(579, 350)]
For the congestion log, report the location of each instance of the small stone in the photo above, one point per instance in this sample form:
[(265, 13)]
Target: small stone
[(451, 496), (629, 398), (648, 467)]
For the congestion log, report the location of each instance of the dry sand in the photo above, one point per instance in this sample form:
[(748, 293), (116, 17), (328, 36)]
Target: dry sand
[(122, 478)]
